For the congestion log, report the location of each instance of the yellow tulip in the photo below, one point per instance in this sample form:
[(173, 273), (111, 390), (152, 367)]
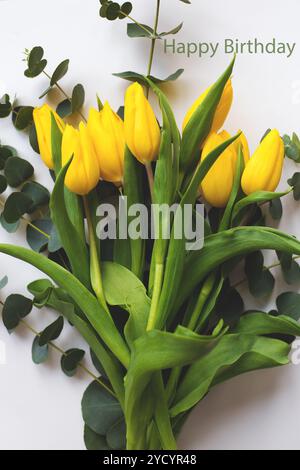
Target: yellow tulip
[(42, 121), (264, 169), (217, 184), (106, 129), (83, 173), (222, 110), (142, 131)]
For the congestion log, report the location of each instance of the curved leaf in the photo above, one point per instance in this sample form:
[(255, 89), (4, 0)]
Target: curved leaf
[(256, 198)]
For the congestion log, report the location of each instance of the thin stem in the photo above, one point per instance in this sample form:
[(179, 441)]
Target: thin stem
[(203, 296), (158, 278), (34, 227), (153, 43), (150, 178), (65, 94), (96, 277)]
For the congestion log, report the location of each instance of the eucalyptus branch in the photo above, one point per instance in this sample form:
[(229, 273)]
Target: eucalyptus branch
[(63, 353)]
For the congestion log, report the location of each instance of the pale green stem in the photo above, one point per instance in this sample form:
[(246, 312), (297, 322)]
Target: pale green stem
[(158, 278), (96, 277)]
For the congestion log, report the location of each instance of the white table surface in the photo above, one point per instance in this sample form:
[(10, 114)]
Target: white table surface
[(39, 406)]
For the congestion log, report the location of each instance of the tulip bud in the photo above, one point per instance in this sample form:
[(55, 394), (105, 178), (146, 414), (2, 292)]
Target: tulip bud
[(142, 131), (106, 129), (217, 184), (83, 173), (222, 110), (264, 169), (42, 121)]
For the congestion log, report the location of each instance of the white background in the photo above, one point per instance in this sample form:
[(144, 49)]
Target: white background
[(39, 406)]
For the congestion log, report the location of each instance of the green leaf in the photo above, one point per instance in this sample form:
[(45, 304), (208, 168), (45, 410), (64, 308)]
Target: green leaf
[(229, 244), (36, 63), (112, 11), (260, 323), (139, 31), (64, 109), (134, 191), (290, 268), (172, 31), (5, 152), (17, 170), (74, 246), (94, 441), (126, 8), (39, 195), (123, 288), (233, 355), (295, 183), (52, 331), (39, 353), (260, 280), (200, 123), (275, 208), (16, 205), (116, 435), (60, 71), (9, 227), (255, 198), (230, 305), (36, 238), (5, 106), (288, 304), (3, 184), (78, 97), (3, 282), (70, 361), (155, 351), (33, 138), (15, 308), (292, 150), (100, 410), (22, 117), (137, 77)]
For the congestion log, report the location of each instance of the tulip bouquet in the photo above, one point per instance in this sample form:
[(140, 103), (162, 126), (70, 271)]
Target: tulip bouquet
[(164, 323)]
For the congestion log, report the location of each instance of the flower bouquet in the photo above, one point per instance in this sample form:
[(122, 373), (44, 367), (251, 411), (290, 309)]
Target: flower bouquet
[(138, 239)]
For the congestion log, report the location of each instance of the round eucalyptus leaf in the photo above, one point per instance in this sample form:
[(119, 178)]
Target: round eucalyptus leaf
[(33, 138), (15, 307), (39, 353), (294, 182), (260, 280), (36, 238), (230, 305), (16, 205), (17, 170), (126, 8), (288, 304), (22, 117), (54, 243), (70, 360), (275, 208), (116, 436), (10, 228), (100, 410), (94, 441), (5, 106), (78, 97), (35, 56), (36, 69), (5, 153), (39, 195), (52, 331), (3, 184), (3, 282), (64, 109), (112, 11), (60, 72)]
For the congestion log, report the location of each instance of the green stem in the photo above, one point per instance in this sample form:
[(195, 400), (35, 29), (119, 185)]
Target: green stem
[(153, 43), (96, 277), (158, 278), (203, 295)]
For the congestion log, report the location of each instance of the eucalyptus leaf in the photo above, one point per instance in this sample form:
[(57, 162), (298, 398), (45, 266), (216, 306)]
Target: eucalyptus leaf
[(94, 441), (5, 106), (288, 304), (60, 71), (22, 117), (39, 353), (70, 361), (78, 96), (15, 308), (16, 205), (52, 331), (17, 170)]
